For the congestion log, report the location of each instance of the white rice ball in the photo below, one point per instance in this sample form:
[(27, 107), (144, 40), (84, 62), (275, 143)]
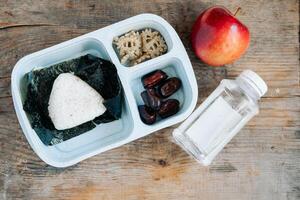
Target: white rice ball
[(73, 102)]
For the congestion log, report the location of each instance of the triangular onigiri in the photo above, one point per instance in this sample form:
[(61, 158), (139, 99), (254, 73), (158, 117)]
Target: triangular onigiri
[(73, 102)]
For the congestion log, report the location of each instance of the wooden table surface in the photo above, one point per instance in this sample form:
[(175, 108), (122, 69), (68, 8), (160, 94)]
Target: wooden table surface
[(261, 162)]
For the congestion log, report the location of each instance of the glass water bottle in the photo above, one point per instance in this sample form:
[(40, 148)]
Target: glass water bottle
[(219, 118)]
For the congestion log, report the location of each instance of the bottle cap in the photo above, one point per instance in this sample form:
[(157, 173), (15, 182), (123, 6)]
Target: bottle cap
[(255, 81)]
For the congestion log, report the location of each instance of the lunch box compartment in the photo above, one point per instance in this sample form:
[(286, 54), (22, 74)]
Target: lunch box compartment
[(139, 27), (173, 67)]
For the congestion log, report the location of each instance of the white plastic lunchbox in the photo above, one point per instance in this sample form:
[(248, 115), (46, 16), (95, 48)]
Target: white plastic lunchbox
[(130, 127)]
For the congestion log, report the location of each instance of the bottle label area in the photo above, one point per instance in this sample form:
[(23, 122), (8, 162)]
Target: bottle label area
[(213, 125)]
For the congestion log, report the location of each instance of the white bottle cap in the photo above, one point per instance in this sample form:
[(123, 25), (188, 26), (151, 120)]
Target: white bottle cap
[(255, 81)]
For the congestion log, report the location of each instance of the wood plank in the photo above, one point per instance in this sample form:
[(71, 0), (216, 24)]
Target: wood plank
[(261, 162)]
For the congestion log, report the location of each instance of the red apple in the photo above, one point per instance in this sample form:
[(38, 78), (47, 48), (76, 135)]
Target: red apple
[(218, 38)]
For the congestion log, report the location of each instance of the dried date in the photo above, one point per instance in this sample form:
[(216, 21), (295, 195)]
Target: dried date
[(148, 116), (169, 87), (151, 99), (168, 108), (153, 78)]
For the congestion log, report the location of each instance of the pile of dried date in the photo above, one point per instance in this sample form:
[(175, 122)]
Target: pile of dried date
[(158, 87)]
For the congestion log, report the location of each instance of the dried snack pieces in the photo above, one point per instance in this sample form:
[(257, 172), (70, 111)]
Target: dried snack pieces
[(129, 46), (153, 45), (135, 47)]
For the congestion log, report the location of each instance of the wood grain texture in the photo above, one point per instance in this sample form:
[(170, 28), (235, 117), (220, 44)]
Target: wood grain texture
[(261, 162)]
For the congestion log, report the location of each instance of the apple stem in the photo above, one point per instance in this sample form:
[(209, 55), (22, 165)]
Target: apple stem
[(237, 11)]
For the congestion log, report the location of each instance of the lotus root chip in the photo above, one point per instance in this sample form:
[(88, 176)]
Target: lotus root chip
[(153, 43), (129, 46)]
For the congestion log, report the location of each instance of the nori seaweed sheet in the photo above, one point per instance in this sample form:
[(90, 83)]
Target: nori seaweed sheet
[(100, 74)]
